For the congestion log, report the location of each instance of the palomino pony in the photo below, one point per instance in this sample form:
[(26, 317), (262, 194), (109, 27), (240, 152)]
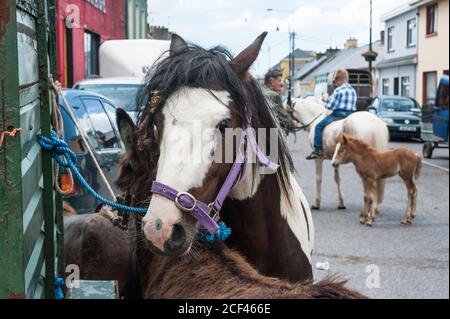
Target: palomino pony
[(364, 125), (374, 166), (196, 88)]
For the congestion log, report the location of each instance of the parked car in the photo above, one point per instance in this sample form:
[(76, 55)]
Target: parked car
[(401, 114), (96, 116), (122, 91)]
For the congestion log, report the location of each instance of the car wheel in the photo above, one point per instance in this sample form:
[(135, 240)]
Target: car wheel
[(427, 150)]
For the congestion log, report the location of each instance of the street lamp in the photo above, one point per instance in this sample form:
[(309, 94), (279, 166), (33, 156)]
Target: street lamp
[(291, 90)]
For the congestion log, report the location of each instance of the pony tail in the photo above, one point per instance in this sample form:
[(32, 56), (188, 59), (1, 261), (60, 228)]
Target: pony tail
[(418, 170)]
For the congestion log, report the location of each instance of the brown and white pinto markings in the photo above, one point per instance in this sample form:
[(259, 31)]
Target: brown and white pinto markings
[(270, 219), (373, 166)]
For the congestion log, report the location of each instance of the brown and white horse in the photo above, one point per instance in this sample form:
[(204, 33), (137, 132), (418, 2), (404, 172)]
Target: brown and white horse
[(192, 91), (374, 166), (364, 125)]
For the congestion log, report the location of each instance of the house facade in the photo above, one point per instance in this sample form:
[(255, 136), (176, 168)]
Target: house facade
[(433, 47), (82, 26), (397, 71)]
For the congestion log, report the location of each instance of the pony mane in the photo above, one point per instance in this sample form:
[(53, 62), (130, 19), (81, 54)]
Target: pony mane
[(196, 67)]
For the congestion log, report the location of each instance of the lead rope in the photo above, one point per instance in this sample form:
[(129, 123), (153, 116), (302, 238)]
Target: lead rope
[(86, 144), (59, 127)]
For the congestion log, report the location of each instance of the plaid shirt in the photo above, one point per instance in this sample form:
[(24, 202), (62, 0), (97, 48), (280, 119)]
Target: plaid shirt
[(343, 99)]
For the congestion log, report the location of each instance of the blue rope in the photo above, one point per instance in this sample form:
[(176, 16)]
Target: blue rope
[(59, 294), (66, 158)]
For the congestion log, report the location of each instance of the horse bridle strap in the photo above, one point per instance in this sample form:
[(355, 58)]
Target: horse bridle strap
[(208, 215)]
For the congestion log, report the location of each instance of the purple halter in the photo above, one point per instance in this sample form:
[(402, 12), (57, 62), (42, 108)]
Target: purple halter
[(208, 214)]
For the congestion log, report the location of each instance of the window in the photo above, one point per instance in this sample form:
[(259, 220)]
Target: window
[(91, 46), (386, 84), (432, 19), (406, 86), (411, 35), (102, 135), (396, 86), (390, 43), (429, 87)]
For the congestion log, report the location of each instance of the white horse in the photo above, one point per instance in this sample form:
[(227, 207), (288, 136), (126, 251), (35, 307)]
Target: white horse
[(363, 125)]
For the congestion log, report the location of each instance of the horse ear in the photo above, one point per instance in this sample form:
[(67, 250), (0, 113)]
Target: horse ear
[(178, 44), (127, 129), (244, 60)]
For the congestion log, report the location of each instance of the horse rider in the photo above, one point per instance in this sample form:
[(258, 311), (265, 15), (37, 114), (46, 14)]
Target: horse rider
[(272, 90), (342, 103)]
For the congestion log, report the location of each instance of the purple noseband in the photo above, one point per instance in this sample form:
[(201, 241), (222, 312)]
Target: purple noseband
[(208, 215)]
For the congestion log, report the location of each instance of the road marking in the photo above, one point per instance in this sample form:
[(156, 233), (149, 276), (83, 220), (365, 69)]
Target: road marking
[(436, 166)]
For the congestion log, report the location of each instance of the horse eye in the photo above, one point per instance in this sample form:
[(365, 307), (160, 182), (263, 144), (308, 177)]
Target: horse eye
[(224, 124)]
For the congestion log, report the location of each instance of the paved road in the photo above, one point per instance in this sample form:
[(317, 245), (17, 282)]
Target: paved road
[(412, 262)]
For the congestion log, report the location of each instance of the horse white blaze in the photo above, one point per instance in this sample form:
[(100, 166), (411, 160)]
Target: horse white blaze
[(185, 112)]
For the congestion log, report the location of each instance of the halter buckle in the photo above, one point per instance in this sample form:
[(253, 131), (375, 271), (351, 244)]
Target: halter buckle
[(181, 207), (212, 209)]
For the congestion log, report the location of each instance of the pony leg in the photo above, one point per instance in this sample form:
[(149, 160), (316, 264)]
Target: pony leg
[(380, 188), (337, 178), (372, 190), (319, 166), (410, 210), (365, 209)]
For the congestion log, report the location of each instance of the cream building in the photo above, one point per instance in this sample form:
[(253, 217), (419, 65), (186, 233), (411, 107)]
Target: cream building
[(433, 47)]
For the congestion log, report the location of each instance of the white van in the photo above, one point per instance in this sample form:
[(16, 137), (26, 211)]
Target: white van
[(123, 66)]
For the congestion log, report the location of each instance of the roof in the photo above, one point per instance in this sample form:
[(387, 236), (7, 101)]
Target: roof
[(300, 54), (309, 67), (110, 80), (348, 59), (396, 12)]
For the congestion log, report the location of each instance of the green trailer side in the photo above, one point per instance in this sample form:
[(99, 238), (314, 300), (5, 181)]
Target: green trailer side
[(30, 214)]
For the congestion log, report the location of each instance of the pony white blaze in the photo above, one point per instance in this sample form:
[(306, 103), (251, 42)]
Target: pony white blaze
[(181, 111)]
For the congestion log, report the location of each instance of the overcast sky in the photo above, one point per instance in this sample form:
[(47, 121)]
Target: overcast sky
[(236, 23)]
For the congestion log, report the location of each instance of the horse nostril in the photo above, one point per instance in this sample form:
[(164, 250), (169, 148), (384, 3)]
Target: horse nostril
[(176, 239), (158, 224)]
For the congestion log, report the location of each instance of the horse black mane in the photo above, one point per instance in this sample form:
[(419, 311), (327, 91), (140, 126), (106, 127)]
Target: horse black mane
[(197, 67)]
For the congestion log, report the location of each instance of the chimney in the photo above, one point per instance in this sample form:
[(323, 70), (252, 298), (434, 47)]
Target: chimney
[(382, 37), (352, 43)]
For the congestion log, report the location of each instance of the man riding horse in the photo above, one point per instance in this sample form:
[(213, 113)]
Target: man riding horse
[(342, 103)]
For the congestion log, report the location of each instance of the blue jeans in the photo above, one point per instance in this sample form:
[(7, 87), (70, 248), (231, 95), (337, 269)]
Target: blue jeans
[(335, 116)]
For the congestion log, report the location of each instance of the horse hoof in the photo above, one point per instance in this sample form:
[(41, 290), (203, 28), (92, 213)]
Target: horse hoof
[(362, 221), (315, 207), (369, 223), (342, 207), (405, 222)]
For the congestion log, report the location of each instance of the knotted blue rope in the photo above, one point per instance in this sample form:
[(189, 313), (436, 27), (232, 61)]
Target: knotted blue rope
[(222, 233), (59, 294), (65, 157)]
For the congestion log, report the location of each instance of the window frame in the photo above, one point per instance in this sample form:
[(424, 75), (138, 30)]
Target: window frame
[(402, 86), (386, 83), (432, 25), (411, 38), (390, 39)]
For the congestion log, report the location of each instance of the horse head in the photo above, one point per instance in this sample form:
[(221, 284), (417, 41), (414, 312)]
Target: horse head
[(193, 96)]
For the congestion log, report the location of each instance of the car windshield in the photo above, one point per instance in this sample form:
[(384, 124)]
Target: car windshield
[(122, 95), (397, 105)]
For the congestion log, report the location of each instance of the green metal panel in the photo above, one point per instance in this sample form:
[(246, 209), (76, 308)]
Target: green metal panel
[(12, 281), (28, 253)]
